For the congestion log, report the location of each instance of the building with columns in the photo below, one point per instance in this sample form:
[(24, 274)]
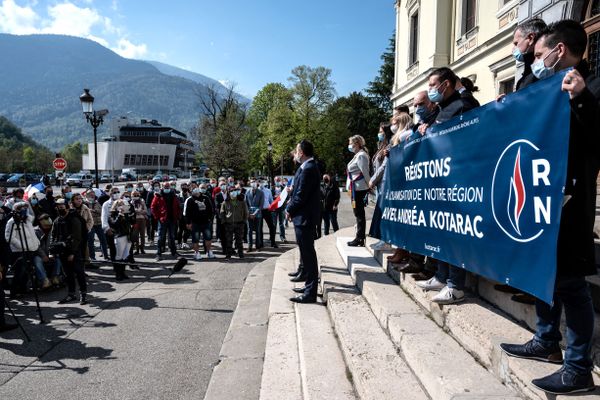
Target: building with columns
[(474, 38)]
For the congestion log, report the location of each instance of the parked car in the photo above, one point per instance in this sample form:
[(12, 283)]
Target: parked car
[(21, 179), (126, 177), (80, 180), (4, 177), (172, 177)]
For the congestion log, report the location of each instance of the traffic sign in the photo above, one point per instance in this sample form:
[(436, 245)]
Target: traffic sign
[(59, 164)]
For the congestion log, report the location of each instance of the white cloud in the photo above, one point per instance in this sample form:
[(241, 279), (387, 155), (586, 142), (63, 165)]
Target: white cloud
[(66, 18), (16, 19), (129, 50)]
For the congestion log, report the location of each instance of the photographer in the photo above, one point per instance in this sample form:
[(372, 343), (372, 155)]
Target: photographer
[(48, 261), (67, 244), (24, 244)]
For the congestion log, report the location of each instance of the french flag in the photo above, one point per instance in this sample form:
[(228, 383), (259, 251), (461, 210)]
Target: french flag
[(37, 189), (279, 200)]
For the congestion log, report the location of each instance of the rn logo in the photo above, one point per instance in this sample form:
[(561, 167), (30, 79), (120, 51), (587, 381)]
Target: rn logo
[(520, 204)]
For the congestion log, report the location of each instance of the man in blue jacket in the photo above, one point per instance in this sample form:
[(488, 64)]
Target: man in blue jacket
[(304, 211)]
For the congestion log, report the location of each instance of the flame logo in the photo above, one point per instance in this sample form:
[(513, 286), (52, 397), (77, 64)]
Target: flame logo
[(516, 195)]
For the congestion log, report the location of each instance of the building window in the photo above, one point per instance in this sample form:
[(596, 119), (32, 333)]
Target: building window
[(138, 159), (595, 9), (126, 160), (507, 86), (144, 160), (154, 160), (414, 39), (469, 15), (594, 53), (592, 27)]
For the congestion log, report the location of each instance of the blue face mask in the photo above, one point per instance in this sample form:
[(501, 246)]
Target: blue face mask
[(434, 95), (34, 201), (380, 136), (68, 195), (167, 190), (235, 194), (539, 68), (518, 55), (350, 149)]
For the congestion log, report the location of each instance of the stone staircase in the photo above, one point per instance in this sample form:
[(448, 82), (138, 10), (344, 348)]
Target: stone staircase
[(375, 335)]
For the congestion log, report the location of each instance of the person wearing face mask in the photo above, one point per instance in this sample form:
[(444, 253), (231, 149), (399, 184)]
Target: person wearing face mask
[(108, 232), (138, 234), (129, 188), (142, 191), (165, 208), (34, 205), (46, 260), (524, 38), (198, 213), (152, 221), (267, 216), (95, 208), (331, 201), (279, 214), (47, 203), (560, 47), (358, 185), (234, 214), (404, 129), (66, 236), (466, 88), (84, 212), (380, 160), (121, 220), (219, 198), (449, 280), (67, 192), (255, 199), (183, 233)]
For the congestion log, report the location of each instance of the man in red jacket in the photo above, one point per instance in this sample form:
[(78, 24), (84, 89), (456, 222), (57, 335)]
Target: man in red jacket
[(165, 208)]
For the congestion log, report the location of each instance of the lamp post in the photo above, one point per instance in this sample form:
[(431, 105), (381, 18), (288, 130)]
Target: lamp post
[(270, 164), (95, 119)]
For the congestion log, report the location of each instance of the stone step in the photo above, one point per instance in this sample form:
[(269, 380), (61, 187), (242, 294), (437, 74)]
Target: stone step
[(302, 356), (479, 328), (442, 366)]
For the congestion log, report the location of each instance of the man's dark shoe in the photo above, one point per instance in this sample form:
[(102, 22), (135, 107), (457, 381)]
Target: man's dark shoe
[(299, 278), (83, 299), (357, 243), (304, 299), (240, 254), (274, 245), (297, 272), (506, 289), (298, 289), (410, 267), (534, 351), (70, 298), (565, 382), (5, 327)]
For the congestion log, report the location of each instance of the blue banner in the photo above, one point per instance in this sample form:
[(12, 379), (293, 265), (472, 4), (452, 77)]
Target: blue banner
[(484, 191)]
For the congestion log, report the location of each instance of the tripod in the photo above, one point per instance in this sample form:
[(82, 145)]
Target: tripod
[(28, 266), (7, 304)]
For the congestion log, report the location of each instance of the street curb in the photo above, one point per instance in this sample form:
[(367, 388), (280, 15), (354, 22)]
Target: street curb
[(239, 370)]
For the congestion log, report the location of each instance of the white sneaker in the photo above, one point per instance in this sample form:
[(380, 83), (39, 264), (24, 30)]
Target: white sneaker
[(376, 246), (184, 246), (432, 284), (197, 256), (211, 254), (448, 296)]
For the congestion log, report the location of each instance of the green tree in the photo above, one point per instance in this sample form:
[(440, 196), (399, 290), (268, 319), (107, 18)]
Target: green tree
[(30, 159), (380, 89), (313, 91), (222, 131), (73, 153)]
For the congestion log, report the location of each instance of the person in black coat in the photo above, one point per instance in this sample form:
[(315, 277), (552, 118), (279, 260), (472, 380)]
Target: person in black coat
[(561, 47), (524, 39), (304, 210), (331, 200)]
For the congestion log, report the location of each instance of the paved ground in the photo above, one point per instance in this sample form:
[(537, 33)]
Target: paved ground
[(150, 338)]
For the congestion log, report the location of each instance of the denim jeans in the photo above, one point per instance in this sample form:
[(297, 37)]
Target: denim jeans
[(254, 228), (330, 217), (40, 271), (165, 228), (97, 231), (573, 294), (452, 276), (279, 216)]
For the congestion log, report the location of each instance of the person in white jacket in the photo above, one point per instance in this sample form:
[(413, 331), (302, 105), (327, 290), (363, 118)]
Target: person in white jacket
[(358, 185), (24, 244)]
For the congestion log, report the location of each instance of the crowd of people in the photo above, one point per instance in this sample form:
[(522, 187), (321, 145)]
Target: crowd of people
[(543, 50)]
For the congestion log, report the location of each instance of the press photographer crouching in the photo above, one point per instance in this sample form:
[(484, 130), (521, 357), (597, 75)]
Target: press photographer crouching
[(67, 244), (24, 244), (45, 258)]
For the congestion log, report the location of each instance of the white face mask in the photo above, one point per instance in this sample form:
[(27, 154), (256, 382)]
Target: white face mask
[(115, 196), (394, 128)]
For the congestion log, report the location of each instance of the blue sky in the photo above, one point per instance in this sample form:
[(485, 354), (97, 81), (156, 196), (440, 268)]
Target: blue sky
[(250, 43)]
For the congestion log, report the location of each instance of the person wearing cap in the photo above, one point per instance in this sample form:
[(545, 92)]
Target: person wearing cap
[(67, 238), (50, 263)]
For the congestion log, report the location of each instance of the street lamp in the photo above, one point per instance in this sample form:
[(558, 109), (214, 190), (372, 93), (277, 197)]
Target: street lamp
[(95, 118), (270, 165)]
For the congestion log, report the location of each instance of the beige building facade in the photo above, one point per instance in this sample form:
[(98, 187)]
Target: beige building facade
[(472, 37)]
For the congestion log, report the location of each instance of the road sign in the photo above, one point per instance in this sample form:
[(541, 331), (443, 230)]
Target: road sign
[(59, 164)]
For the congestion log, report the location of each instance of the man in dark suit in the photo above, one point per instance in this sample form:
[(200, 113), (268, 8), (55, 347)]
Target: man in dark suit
[(304, 211)]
